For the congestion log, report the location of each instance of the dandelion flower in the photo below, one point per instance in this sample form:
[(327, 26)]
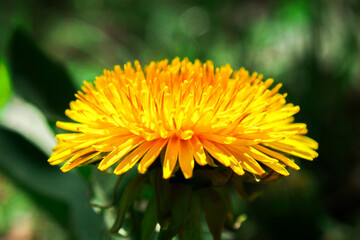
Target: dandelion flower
[(191, 112)]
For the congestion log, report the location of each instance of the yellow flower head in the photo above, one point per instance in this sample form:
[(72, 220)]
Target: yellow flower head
[(192, 112)]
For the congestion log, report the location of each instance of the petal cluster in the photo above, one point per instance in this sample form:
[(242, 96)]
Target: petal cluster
[(187, 113)]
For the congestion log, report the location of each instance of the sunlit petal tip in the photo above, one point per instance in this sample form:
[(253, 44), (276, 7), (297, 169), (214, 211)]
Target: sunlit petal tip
[(58, 123), (118, 172), (187, 176), (285, 173), (102, 168), (167, 174), (65, 168), (54, 162), (142, 170)]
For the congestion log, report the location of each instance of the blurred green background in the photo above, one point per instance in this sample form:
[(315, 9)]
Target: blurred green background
[(47, 48)]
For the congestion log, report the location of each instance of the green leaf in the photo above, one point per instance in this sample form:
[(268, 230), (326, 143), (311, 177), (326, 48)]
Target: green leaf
[(180, 202), (191, 228), (63, 196), (225, 195), (149, 221), (85, 171), (108, 187), (215, 209), (5, 85), (126, 200), (161, 189), (238, 185), (37, 78)]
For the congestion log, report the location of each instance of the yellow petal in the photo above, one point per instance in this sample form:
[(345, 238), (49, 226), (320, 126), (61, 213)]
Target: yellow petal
[(130, 160), (259, 156), (246, 161), (222, 157), (199, 153), (229, 139), (71, 137), (294, 149), (306, 140), (268, 161), (186, 158), (277, 155), (237, 169), (119, 152), (62, 154), (78, 159), (109, 144), (209, 160), (171, 156), (151, 155), (277, 167)]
